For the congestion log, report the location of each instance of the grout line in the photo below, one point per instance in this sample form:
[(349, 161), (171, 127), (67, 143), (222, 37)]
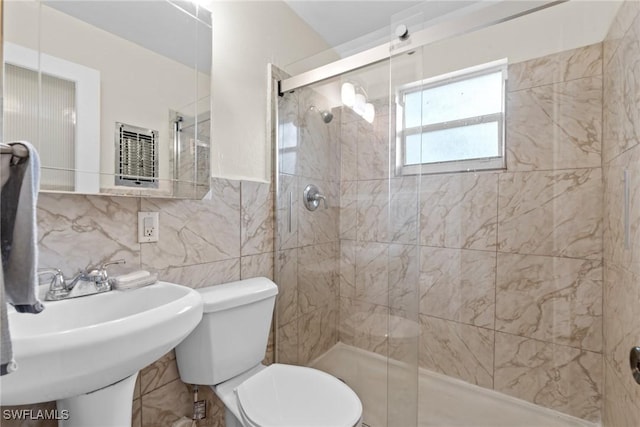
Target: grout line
[(602, 216), (523, 89)]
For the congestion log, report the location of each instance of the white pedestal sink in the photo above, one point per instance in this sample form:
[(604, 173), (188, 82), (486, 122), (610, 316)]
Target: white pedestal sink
[(85, 353)]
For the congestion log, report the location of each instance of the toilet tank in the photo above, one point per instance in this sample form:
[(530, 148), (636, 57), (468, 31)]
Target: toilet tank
[(232, 336)]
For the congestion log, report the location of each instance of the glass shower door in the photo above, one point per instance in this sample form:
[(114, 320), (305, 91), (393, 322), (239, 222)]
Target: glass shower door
[(404, 239), (348, 272)]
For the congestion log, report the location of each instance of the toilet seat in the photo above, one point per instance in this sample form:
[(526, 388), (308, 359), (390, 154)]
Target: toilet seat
[(295, 396)]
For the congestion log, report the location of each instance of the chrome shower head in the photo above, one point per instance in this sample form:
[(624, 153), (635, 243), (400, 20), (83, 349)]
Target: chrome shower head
[(327, 116)]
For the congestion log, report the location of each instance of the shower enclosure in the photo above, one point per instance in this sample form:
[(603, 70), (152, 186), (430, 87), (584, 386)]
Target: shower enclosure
[(467, 174), (191, 151), (347, 270)]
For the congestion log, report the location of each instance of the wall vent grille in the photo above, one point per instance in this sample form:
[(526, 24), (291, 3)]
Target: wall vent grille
[(136, 156)]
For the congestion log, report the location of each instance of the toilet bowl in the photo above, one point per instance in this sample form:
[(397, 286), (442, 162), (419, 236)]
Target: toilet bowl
[(285, 395), (225, 352)]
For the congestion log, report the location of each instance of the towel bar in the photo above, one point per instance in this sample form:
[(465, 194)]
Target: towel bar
[(17, 150)]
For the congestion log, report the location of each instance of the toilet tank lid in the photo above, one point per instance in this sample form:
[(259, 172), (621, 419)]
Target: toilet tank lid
[(234, 294)]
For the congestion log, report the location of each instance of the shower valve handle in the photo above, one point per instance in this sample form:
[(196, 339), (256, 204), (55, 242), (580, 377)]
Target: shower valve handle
[(319, 197), (312, 197)]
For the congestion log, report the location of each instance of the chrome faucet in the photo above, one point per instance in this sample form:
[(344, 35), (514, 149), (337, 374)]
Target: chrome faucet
[(84, 283)]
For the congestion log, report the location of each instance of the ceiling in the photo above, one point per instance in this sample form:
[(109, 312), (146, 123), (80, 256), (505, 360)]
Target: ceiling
[(346, 26), (339, 22), (176, 29)]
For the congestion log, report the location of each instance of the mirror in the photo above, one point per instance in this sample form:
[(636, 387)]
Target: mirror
[(115, 95)]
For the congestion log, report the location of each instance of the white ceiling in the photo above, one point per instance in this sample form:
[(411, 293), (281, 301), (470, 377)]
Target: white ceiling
[(339, 22), (162, 26), (175, 28)]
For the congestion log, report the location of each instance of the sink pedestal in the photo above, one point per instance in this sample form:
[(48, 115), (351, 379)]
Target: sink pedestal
[(109, 406)]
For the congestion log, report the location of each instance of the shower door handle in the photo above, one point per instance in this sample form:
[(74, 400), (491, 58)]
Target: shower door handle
[(290, 219)]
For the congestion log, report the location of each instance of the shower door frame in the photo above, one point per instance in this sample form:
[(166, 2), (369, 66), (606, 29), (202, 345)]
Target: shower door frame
[(503, 11)]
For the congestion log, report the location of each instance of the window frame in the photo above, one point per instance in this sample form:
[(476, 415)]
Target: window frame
[(463, 165), (87, 80)]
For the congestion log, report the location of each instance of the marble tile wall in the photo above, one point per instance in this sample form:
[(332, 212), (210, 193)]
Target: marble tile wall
[(226, 237), (378, 221), (509, 263), (306, 264), (621, 156)]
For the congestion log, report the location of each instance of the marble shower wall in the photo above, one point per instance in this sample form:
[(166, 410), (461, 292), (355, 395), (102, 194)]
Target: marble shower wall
[(621, 155), (510, 262), (202, 242), (307, 242), (378, 242)]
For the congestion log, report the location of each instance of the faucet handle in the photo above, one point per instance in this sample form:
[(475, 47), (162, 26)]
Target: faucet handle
[(101, 273), (103, 267), (319, 197), (58, 278), (58, 283)]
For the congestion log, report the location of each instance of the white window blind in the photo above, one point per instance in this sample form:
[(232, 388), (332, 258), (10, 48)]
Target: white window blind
[(43, 112)]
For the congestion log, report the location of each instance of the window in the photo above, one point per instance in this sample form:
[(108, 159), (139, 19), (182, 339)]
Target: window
[(452, 123), (86, 83), (41, 100)]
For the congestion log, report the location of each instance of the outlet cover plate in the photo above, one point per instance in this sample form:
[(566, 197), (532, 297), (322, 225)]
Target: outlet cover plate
[(148, 227)]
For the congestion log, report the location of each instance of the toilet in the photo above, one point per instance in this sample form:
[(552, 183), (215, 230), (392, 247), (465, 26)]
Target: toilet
[(225, 352)]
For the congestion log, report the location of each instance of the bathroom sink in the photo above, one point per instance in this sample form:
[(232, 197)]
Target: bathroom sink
[(80, 345)]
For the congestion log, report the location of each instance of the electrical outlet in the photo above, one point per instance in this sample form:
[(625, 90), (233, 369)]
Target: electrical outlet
[(148, 227)]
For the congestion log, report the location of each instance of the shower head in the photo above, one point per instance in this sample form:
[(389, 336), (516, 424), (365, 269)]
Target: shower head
[(326, 116)]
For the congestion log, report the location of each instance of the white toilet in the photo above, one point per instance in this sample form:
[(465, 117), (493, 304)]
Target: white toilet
[(225, 352)]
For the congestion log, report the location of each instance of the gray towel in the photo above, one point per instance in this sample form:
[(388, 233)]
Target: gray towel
[(18, 242), (6, 351)]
